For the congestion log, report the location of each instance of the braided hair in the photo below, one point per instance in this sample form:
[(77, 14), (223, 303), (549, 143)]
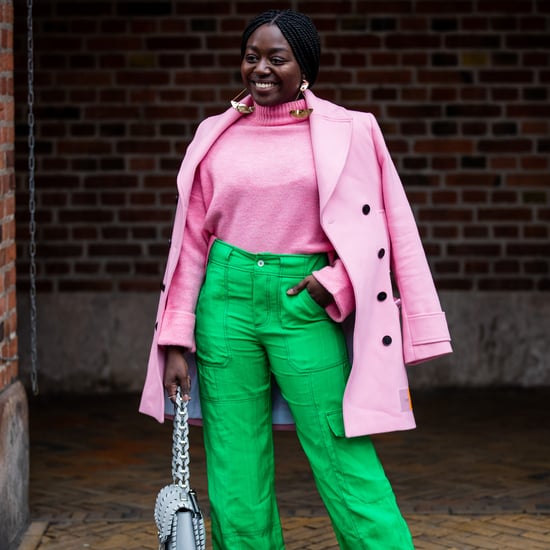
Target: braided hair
[(299, 31)]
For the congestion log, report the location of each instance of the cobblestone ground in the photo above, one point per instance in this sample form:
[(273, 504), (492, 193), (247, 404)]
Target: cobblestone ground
[(474, 475)]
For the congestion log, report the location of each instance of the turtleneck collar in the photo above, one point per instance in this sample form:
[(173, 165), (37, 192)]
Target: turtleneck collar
[(275, 115)]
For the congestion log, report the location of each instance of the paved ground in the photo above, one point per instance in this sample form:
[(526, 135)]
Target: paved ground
[(474, 475)]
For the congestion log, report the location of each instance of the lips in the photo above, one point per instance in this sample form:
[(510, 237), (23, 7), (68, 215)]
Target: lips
[(263, 85)]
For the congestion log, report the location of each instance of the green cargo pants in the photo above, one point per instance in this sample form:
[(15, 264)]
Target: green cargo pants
[(248, 330)]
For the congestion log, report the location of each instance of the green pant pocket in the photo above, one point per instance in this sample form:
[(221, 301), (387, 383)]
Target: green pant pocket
[(335, 421)]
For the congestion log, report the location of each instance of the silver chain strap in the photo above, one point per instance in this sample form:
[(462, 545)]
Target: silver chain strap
[(32, 200), (179, 497), (180, 448)]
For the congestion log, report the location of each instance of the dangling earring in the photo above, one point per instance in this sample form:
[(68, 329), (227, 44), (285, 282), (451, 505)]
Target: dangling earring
[(301, 113), (243, 108)]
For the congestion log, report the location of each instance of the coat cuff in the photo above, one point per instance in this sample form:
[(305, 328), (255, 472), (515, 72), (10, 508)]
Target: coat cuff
[(426, 352), (425, 336), (336, 281), (177, 329)]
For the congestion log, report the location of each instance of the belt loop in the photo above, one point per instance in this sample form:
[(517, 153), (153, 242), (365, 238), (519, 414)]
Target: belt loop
[(227, 250)]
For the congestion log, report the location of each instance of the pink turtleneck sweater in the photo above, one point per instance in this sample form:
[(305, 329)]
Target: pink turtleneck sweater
[(256, 189)]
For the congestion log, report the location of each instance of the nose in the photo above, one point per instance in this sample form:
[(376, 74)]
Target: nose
[(263, 66)]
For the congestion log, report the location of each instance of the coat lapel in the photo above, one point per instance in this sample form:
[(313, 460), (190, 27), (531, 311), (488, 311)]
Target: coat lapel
[(210, 132), (331, 128)]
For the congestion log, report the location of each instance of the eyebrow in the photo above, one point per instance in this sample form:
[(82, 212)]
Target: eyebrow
[(271, 51)]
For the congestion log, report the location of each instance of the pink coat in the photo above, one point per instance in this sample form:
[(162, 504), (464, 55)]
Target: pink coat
[(365, 214)]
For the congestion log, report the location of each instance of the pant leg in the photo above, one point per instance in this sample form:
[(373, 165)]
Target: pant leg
[(309, 360), (234, 382)]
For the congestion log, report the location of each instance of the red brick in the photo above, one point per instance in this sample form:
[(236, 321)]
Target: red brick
[(384, 77), (472, 41), (504, 214), (476, 232), (511, 5), (437, 146), (474, 94), (536, 232), (444, 163), (507, 77), (472, 267), (505, 146), (529, 179), (528, 110), (445, 214), (366, 41), (535, 59), (413, 94), (534, 163), (383, 58), (507, 266)]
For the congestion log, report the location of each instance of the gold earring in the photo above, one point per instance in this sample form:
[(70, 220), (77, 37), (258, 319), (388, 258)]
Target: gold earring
[(243, 108), (301, 113)]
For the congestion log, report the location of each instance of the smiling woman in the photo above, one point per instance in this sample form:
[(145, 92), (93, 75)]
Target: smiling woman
[(290, 216)]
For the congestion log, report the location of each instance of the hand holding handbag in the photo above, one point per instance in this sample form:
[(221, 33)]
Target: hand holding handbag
[(178, 517)]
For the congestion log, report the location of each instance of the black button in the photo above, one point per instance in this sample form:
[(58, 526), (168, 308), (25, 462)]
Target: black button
[(169, 242), (381, 253), (177, 198), (366, 209), (162, 287), (381, 296), (386, 340), (156, 325)]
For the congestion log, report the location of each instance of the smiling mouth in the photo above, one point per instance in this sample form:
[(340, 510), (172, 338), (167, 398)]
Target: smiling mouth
[(264, 85)]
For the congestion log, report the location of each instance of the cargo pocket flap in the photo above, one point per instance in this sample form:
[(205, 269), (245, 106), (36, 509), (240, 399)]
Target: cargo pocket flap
[(336, 423)]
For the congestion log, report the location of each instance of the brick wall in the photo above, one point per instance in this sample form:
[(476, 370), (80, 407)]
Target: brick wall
[(461, 89), (8, 315)]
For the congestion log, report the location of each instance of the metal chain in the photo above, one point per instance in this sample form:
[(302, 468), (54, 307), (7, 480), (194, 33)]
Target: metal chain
[(180, 449), (180, 468), (32, 200)]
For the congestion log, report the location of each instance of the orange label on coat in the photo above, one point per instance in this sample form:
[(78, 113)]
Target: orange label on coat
[(406, 402)]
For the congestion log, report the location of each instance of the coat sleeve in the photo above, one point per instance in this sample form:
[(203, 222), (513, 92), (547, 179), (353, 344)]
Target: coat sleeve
[(424, 327), (177, 325), (335, 279)]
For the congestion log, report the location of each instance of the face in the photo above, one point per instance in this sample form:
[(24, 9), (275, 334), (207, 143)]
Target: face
[(269, 69)]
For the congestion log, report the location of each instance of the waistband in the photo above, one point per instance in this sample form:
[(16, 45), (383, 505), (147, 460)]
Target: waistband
[(298, 265)]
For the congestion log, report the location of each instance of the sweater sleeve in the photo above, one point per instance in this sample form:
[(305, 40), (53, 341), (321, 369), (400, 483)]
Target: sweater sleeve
[(335, 279), (178, 323)]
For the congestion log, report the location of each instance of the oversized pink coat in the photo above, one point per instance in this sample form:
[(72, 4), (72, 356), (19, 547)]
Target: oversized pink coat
[(365, 214)]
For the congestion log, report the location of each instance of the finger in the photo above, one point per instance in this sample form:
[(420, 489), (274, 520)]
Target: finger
[(186, 389), (172, 391), (298, 288)]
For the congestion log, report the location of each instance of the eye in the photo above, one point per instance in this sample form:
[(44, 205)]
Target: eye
[(277, 61), (250, 58)]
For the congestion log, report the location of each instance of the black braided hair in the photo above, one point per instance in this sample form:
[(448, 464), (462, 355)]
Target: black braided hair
[(299, 31)]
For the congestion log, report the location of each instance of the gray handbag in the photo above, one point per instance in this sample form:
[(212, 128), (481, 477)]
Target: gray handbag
[(178, 517)]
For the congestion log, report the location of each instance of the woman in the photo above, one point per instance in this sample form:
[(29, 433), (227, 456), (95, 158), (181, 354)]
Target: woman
[(290, 214)]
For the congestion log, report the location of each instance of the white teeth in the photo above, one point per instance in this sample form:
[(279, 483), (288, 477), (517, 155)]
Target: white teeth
[(263, 85)]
